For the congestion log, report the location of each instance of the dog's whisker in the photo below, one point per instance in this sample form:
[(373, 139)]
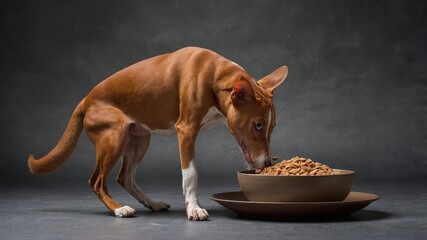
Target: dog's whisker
[(233, 149), (281, 114), (281, 107), (235, 152)]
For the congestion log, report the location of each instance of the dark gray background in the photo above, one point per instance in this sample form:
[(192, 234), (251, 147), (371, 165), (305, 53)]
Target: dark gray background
[(355, 96)]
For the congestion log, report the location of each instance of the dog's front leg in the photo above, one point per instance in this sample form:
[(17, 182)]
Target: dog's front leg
[(187, 137)]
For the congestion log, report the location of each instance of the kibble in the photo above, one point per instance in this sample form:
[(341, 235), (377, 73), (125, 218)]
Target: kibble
[(298, 166)]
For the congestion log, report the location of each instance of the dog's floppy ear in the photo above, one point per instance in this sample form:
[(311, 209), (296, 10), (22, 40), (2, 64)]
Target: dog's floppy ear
[(274, 79), (242, 92)]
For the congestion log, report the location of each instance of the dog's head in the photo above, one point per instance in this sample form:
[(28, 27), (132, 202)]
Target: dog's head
[(251, 118)]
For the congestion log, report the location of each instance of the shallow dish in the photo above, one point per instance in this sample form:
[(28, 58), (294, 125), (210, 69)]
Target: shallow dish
[(236, 202), (267, 188)]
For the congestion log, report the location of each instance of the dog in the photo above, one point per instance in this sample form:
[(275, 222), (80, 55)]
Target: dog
[(182, 93)]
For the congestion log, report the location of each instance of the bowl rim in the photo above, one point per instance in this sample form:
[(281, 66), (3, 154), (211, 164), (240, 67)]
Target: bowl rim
[(343, 172)]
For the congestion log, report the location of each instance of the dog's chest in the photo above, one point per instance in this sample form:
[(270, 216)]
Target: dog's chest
[(212, 118)]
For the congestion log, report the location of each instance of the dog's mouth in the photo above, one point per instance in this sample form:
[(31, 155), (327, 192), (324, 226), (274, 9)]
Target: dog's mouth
[(254, 162), (246, 153)]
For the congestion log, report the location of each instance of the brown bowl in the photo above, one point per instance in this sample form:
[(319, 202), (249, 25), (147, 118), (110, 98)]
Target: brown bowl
[(267, 188)]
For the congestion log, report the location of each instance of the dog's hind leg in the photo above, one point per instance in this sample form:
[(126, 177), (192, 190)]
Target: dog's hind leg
[(108, 129), (134, 152)]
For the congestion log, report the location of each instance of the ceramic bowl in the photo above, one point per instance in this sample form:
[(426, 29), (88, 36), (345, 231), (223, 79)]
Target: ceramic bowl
[(265, 188)]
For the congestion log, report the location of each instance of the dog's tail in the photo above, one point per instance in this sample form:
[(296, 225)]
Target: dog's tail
[(65, 147)]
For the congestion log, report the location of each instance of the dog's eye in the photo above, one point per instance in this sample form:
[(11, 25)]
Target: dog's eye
[(258, 126)]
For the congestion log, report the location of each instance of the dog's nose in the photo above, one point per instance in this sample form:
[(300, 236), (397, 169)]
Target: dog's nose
[(267, 163)]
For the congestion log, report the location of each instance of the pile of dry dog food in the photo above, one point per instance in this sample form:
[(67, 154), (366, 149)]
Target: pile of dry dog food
[(298, 166)]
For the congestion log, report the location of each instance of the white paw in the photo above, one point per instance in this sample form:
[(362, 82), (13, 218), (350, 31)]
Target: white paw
[(124, 212), (197, 214), (159, 206)]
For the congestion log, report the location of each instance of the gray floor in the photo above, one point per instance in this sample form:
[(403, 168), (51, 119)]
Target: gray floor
[(75, 213)]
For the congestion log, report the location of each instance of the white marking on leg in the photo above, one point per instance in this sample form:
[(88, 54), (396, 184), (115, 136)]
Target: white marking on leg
[(124, 211), (189, 187), (189, 184)]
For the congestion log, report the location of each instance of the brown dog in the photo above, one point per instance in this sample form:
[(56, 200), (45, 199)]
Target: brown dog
[(182, 92)]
